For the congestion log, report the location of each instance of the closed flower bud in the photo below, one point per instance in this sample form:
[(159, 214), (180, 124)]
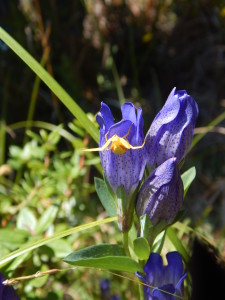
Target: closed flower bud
[(161, 195), (171, 132)]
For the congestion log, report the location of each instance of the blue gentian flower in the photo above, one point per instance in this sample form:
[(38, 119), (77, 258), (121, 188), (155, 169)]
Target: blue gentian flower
[(105, 287), (161, 195), (165, 282), (171, 131), (7, 292), (105, 290), (124, 169)]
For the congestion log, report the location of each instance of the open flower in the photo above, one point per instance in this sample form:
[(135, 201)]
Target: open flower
[(161, 195), (122, 153), (122, 167), (165, 282), (171, 131), (7, 292)]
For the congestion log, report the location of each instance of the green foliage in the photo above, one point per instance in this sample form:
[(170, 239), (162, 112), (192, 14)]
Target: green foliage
[(141, 248), (48, 206), (104, 256), (47, 194), (106, 197)]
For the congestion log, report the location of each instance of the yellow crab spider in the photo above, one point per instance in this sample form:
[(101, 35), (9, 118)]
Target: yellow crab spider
[(118, 145)]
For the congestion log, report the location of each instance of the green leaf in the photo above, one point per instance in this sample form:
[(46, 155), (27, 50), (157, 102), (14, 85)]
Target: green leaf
[(18, 261), (26, 220), (177, 244), (13, 238), (47, 219), (158, 242), (51, 83), (187, 178), (103, 256), (105, 197), (34, 245), (61, 248), (141, 248), (149, 231)]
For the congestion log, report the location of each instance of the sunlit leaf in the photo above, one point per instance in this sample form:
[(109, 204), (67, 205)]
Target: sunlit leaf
[(103, 256)]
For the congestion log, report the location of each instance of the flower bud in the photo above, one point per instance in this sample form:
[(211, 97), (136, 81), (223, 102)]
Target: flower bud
[(161, 195), (171, 132)]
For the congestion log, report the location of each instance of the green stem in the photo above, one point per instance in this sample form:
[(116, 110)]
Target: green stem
[(141, 292), (34, 95), (3, 122), (118, 84), (126, 243)]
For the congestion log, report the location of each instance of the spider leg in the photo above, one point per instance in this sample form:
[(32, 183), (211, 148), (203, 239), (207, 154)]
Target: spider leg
[(98, 149), (106, 136), (137, 147), (124, 137)]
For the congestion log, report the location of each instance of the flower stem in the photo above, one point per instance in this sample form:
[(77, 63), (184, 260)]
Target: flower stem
[(141, 292), (125, 243)]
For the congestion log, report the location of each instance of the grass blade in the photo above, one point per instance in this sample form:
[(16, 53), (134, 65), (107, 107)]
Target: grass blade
[(54, 86), (211, 125), (31, 246)]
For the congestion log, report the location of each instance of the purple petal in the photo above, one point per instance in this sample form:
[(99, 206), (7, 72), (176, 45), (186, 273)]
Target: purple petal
[(105, 286), (153, 270), (165, 282), (7, 292), (124, 129), (171, 131), (105, 121), (180, 285), (140, 125), (164, 292), (129, 112), (174, 269), (161, 195), (123, 169)]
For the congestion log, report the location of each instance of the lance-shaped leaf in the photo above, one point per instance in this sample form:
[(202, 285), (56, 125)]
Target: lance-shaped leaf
[(103, 256)]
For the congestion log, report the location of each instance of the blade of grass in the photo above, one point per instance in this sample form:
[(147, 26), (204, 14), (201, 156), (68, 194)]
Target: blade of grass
[(2, 140), (54, 86), (3, 123), (177, 243), (211, 125), (118, 83), (34, 94), (31, 246), (49, 126)]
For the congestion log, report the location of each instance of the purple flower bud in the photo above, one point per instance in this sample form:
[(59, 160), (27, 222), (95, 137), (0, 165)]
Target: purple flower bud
[(165, 282), (7, 292), (171, 132), (161, 195), (125, 169)]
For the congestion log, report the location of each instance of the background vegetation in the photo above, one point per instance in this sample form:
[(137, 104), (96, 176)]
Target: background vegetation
[(113, 51)]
